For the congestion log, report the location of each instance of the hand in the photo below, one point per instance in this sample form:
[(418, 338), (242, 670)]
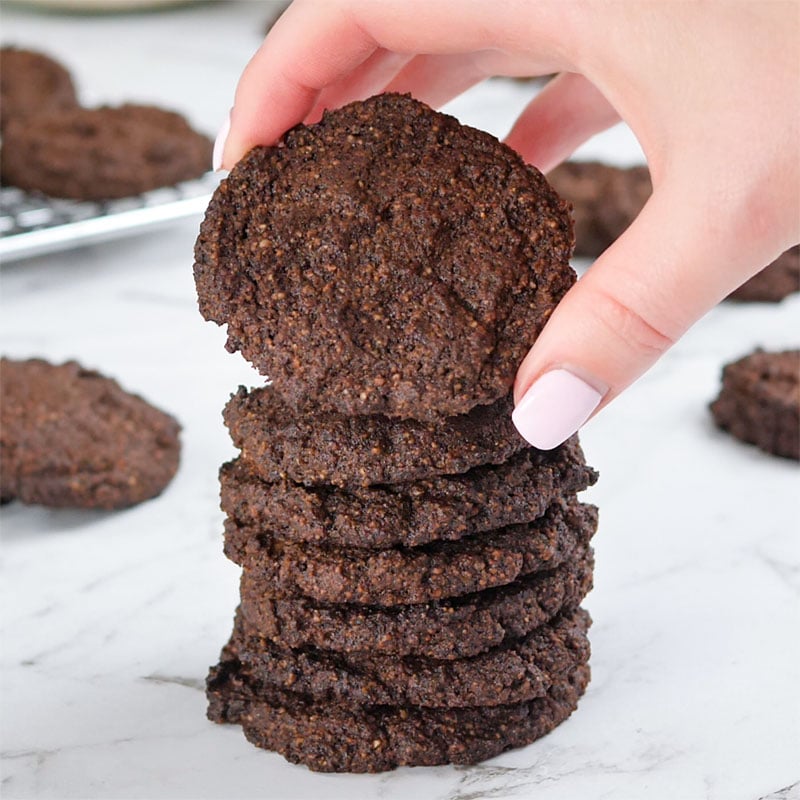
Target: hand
[(711, 90)]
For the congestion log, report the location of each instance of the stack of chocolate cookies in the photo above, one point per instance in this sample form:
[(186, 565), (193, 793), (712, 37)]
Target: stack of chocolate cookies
[(412, 569)]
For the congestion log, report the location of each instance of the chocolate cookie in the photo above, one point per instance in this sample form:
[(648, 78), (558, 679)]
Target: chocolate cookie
[(32, 83), (386, 260), (71, 438), (341, 450), (776, 281), (759, 401), (512, 673), (605, 200), (338, 738), (409, 514), (421, 574), (102, 153), (447, 629)]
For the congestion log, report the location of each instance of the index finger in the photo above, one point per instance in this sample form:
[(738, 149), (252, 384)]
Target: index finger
[(281, 82), (318, 43)]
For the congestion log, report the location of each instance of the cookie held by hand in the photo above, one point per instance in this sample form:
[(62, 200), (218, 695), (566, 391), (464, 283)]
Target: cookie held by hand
[(387, 260)]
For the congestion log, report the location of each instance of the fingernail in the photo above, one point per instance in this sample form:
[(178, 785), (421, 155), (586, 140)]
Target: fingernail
[(554, 408), (219, 145)]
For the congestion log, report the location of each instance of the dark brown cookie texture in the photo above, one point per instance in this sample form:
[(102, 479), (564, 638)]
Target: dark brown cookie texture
[(759, 401), (775, 282), (419, 575), (70, 437), (102, 153), (517, 671), (412, 569), (387, 260), (407, 514), (414, 513), (343, 738), (605, 200), (341, 450), (32, 83), (446, 629)]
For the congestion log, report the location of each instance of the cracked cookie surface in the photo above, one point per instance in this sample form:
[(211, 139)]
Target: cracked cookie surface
[(71, 438), (387, 260)]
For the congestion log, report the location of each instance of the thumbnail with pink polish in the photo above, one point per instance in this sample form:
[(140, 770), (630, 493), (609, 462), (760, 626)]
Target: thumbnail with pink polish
[(554, 408)]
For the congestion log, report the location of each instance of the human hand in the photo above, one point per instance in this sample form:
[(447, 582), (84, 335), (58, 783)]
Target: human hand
[(712, 92)]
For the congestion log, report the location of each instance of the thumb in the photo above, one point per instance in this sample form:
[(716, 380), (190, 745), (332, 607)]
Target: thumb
[(676, 261)]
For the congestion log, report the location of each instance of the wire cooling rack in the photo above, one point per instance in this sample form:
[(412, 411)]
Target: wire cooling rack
[(32, 224)]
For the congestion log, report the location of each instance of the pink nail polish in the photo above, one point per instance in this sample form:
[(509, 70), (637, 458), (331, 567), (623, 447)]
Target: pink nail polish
[(219, 145), (554, 408)]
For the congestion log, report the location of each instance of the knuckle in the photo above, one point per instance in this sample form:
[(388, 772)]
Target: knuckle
[(631, 327)]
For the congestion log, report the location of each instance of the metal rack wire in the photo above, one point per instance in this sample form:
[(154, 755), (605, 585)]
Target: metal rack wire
[(32, 224)]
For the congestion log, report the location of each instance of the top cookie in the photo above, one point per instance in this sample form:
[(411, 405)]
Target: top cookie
[(386, 260), (31, 83)]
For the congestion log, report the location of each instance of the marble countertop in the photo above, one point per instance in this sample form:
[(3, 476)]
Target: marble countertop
[(110, 620)]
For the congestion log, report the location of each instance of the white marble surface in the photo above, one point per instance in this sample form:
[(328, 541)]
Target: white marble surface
[(109, 621)]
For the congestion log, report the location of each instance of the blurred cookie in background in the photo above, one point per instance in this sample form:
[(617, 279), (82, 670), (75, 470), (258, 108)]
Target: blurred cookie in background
[(72, 438), (776, 281), (759, 401), (605, 201), (102, 153), (32, 83)]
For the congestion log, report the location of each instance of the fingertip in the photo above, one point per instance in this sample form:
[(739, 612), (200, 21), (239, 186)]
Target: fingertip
[(218, 156), (555, 407), (310, 47), (634, 303)]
